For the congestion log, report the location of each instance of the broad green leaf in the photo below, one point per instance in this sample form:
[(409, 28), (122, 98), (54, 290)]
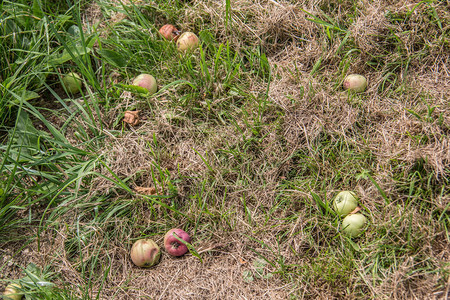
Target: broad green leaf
[(26, 140), (66, 55), (134, 88), (29, 95), (37, 11), (113, 58)]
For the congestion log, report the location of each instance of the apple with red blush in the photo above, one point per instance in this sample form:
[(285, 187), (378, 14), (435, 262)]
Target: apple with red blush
[(172, 245)]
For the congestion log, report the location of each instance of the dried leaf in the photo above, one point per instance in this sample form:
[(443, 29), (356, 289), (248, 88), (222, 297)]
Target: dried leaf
[(145, 190), (355, 210), (131, 117)]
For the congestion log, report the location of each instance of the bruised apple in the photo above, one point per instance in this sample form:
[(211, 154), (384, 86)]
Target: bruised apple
[(146, 81), (187, 41), (173, 246), (145, 253), (169, 32)]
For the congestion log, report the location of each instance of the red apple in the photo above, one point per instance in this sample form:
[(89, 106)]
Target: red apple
[(169, 32), (173, 246), (145, 253)]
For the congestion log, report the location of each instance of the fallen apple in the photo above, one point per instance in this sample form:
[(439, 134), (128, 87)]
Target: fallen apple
[(187, 41), (353, 224), (355, 83), (145, 253), (173, 246), (146, 81), (169, 32), (12, 292), (72, 82), (344, 203)]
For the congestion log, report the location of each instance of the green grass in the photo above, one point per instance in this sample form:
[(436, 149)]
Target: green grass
[(246, 143)]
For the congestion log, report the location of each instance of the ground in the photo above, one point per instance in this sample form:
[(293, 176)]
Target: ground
[(244, 146)]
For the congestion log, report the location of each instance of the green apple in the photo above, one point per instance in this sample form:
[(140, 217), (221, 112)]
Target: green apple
[(353, 224), (72, 82), (344, 203)]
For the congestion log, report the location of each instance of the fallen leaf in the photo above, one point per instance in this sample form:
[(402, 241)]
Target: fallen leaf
[(131, 117), (145, 190), (355, 210)]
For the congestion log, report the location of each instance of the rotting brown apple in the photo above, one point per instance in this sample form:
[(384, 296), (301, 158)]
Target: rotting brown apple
[(169, 32), (145, 253), (173, 246), (187, 41), (146, 81)]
